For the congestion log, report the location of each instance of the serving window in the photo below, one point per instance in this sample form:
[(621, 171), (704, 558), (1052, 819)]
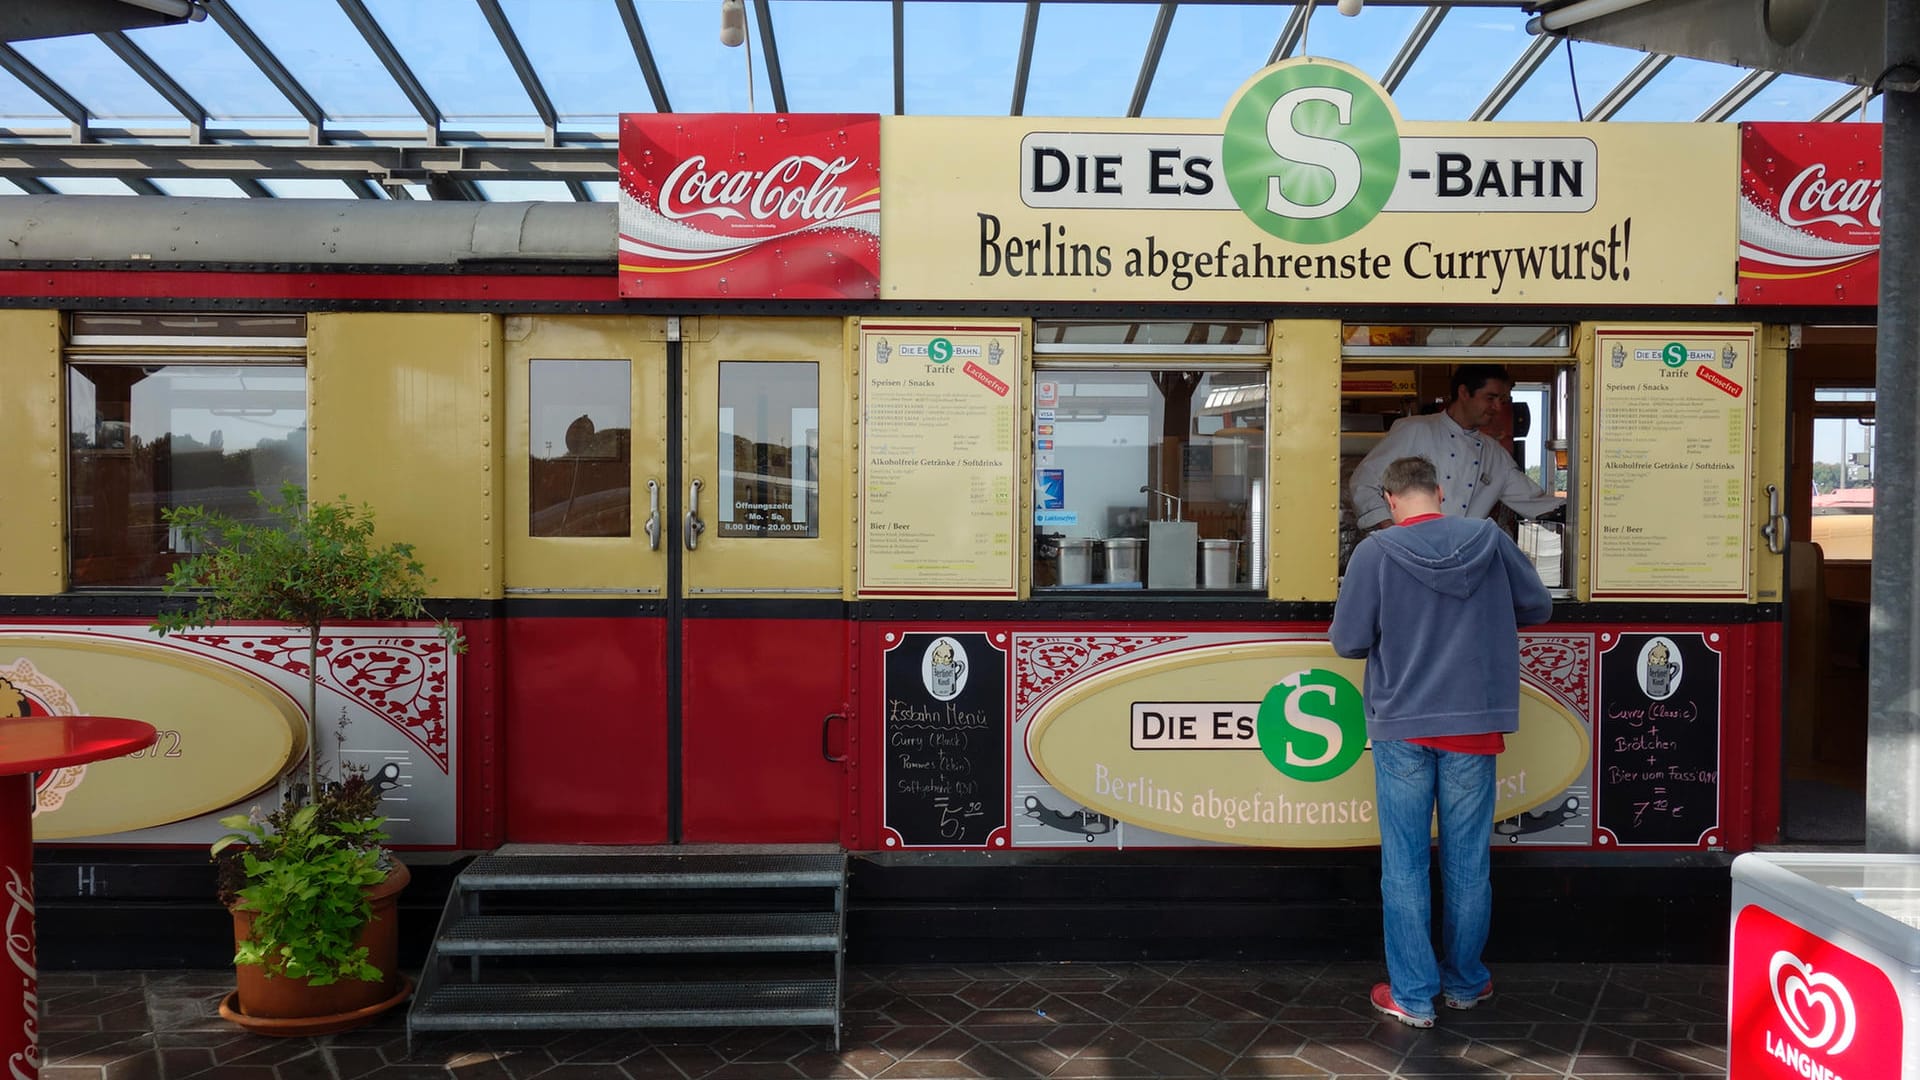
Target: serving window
[(1149, 469), (1390, 373)]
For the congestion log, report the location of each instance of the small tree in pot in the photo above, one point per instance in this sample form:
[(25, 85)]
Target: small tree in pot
[(302, 881)]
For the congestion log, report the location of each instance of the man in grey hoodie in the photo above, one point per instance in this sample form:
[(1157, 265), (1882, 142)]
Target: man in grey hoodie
[(1434, 607)]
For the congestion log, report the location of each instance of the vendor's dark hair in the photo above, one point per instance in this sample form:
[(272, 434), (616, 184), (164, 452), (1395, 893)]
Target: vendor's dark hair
[(1475, 376), (1409, 474)]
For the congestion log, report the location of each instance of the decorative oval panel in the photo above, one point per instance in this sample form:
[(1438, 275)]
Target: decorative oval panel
[(1260, 743), (224, 734)]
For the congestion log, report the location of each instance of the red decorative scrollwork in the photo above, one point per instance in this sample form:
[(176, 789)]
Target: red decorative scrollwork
[(1561, 664), (1042, 663)]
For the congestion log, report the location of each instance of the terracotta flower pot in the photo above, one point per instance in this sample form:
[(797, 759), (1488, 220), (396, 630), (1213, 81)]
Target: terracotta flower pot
[(283, 1006)]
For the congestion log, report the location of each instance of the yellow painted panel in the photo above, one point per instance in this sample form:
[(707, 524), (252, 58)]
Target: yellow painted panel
[(1770, 435), (1303, 421), (588, 563), (404, 414), (33, 557), (224, 734), (1215, 781), (785, 565)]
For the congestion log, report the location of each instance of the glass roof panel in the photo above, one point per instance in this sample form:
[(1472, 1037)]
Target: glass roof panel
[(1368, 41), (524, 190), (86, 185), (308, 188), (1872, 114), (1682, 91), (589, 87), (1790, 97), (200, 187), (1466, 58), (1086, 58), (836, 56), (21, 107), (11, 188), (329, 59), (453, 52), (603, 190), (1212, 49), (100, 81), (983, 86), (212, 69), (1548, 94), (701, 74)]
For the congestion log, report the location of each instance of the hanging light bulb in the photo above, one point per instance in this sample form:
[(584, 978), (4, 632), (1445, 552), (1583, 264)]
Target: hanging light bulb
[(733, 22), (1351, 7)]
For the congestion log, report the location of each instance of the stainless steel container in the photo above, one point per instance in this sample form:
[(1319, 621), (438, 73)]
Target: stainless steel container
[(1076, 560), (1219, 563), (1123, 558)]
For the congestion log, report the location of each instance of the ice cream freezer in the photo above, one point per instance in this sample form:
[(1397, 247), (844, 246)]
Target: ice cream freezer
[(1824, 974)]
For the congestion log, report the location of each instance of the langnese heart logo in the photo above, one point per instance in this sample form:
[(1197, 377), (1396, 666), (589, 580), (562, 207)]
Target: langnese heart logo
[(1801, 994)]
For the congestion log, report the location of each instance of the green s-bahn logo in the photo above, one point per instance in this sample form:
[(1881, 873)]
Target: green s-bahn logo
[(1312, 152), (1312, 725)]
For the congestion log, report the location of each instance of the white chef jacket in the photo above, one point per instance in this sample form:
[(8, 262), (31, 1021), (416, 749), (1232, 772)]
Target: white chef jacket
[(1474, 471)]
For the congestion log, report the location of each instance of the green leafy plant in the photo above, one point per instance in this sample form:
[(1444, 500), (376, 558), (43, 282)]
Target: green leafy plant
[(301, 566), (303, 871)]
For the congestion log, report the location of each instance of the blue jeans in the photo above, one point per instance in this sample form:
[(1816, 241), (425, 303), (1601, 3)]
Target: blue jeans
[(1410, 780)]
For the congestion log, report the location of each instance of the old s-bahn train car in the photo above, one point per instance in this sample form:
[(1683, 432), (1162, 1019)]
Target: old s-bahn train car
[(990, 533)]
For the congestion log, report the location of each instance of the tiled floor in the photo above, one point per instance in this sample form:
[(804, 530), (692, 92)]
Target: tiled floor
[(1003, 1021)]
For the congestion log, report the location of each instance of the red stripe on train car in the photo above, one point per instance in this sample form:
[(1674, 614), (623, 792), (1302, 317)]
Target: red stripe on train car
[(270, 285)]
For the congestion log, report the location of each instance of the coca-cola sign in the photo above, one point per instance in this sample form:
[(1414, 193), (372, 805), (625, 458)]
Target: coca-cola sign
[(1810, 213), (749, 206)]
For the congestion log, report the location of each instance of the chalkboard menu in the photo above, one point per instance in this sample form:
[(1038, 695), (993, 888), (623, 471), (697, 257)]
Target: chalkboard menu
[(1659, 740), (945, 738)]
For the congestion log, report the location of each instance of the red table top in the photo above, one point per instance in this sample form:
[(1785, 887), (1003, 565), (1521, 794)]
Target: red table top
[(38, 743)]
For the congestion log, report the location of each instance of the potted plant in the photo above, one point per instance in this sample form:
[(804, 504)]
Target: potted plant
[(310, 885)]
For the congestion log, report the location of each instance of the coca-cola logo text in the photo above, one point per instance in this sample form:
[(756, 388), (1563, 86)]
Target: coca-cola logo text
[(1811, 198), (24, 1063), (799, 188)]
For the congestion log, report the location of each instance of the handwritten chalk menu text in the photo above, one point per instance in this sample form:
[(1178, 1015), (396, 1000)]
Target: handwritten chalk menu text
[(1672, 449), (939, 459), (945, 738), (1659, 740)]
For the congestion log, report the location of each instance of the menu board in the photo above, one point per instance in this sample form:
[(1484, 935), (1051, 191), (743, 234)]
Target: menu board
[(1672, 444), (1659, 741), (945, 736), (939, 458)]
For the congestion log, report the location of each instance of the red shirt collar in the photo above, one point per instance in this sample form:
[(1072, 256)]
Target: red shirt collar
[(1418, 518)]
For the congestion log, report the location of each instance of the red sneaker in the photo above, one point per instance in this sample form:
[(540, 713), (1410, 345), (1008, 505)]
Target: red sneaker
[(1383, 1003), (1470, 1000)]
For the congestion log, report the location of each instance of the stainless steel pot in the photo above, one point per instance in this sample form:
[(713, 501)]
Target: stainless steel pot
[(1123, 558)]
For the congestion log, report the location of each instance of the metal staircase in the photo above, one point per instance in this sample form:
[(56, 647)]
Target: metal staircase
[(686, 936)]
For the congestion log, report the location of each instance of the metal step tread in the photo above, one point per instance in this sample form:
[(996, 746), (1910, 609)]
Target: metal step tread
[(480, 935), (655, 1004), (629, 871)]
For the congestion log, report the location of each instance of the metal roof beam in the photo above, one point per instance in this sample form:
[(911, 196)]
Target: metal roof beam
[(643, 52), (271, 67), (1624, 90), (51, 92), (250, 164), (1411, 48), (899, 57), (1743, 91), (1850, 102), (30, 184), (522, 66), (144, 66), (254, 188), (143, 186), (770, 54), (376, 38), (1023, 68), (1292, 33), (1150, 62), (578, 189), (1516, 77)]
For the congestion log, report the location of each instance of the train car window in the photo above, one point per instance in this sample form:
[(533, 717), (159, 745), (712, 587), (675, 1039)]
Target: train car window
[(144, 437), (1102, 336), (580, 448), (1149, 477), (769, 449), (1843, 473)]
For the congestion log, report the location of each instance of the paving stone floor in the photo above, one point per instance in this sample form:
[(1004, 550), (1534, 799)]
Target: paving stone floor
[(1003, 1021)]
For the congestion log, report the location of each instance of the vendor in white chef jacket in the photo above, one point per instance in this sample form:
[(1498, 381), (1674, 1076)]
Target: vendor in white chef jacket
[(1475, 470)]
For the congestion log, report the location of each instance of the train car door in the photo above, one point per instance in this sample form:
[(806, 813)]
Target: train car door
[(762, 561)]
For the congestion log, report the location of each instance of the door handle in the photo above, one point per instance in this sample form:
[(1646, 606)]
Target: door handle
[(692, 526), (1775, 530), (653, 515), (826, 746)]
